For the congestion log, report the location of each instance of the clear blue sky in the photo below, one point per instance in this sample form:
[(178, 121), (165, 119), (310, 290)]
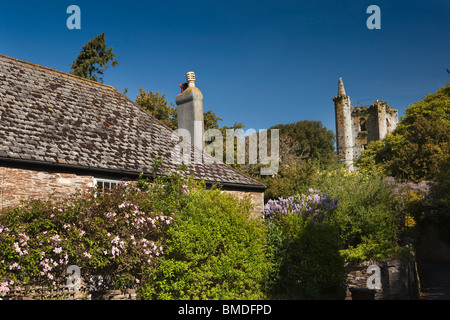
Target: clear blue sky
[(257, 62)]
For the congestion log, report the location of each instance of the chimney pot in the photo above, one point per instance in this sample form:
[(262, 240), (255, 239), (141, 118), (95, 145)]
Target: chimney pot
[(190, 78)]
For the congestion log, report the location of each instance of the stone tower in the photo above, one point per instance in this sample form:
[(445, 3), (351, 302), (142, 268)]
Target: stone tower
[(344, 137), (190, 111), (358, 126)]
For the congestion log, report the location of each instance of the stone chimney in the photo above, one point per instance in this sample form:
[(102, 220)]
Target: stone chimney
[(190, 111)]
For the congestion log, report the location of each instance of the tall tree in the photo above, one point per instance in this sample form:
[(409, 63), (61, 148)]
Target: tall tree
[(306, 140), (94, 59), (157, 105)]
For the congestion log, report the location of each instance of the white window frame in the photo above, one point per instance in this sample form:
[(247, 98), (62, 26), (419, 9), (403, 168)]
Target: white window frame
[(103, 182)]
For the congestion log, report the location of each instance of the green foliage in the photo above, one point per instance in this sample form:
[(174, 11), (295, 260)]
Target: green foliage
[(156, 105), (378, 154), (367, 218), (306, 263), (94, 59), (427, 146), (437, 103), (211, 121), (114, 233), (440, 190), (290, 180), (419, 146), (304, 147), (306, 140), (111, 233), (215, 251)]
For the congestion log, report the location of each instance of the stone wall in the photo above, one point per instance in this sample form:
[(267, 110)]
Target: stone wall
[(257, 199), (65, 293), (399, 279), (17, 185)]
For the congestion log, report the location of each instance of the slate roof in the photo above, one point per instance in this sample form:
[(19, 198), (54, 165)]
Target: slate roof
[(52, 117)]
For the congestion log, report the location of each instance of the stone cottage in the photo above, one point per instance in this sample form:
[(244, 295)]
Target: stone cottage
[(358, 126), (60, 133)]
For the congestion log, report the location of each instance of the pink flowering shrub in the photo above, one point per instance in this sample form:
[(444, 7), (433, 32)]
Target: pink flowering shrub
[(114, 234)]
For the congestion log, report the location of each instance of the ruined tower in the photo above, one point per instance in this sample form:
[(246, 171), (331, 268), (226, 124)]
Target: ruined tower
[(358, 126), (343, 114)]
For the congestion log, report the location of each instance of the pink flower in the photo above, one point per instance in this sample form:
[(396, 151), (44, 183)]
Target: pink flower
[(17, 248), (57, 250), (4, 288), (56, 238), (184, 189), (14, 266), (115, 251), (87, 255), (115, 240)]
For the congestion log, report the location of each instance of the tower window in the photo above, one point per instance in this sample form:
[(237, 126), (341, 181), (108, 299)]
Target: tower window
[(362, 124)]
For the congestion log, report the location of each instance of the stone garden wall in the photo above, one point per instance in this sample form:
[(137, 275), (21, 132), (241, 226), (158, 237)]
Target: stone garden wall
[(398, 280)]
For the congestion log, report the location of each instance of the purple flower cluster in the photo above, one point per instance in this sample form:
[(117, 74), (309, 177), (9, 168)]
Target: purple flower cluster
[(313, 206)]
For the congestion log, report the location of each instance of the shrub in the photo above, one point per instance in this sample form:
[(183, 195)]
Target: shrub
[(215, 250), (290, 180), (306, 263), (367, 218), (111, 235)]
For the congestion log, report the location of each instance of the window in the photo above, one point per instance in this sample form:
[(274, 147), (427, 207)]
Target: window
[(103, 184), (362, 125)]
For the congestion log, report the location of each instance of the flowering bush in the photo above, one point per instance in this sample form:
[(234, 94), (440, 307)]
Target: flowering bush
[(111, 235), (170, 238), (312, 207), (306, 263)]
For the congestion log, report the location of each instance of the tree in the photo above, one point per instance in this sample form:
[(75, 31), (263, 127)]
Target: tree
[(435, 103), (157, 105), (419, 145), (94, 59), (305, 140), (211, 121)]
